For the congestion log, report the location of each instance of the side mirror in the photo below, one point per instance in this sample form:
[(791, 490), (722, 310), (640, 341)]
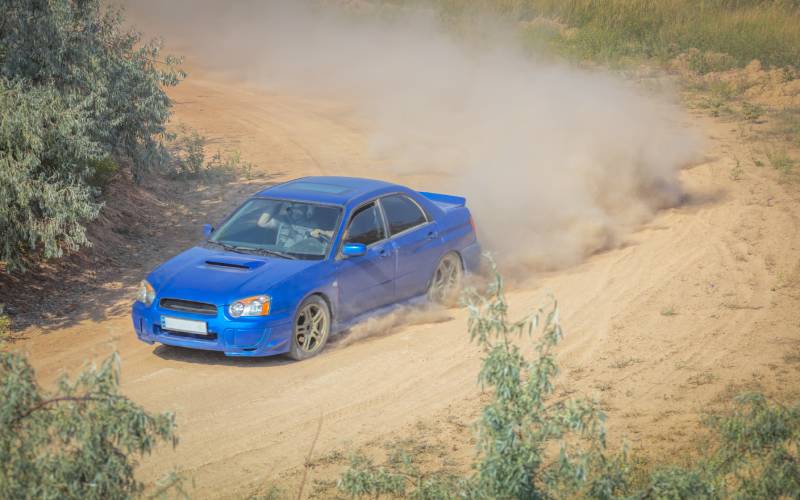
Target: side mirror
[(208, 230), (354, 249)]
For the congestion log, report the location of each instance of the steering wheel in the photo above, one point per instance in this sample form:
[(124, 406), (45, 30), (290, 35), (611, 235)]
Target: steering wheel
[(321, 237), (309, 245)]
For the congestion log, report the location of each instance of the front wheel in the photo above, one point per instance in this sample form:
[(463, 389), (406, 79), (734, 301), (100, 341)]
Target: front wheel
[(445, 285), (312, 325)]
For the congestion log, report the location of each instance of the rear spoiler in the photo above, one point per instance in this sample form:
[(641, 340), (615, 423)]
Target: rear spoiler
[(446, 199)]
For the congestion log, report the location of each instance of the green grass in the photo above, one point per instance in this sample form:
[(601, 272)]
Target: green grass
[(780, 160), (669, 311), (717, 34), (752, 112)]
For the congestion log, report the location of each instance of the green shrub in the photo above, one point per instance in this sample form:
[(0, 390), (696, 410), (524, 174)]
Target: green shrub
[(96, 63), (78, 94), (532, 444), (780, 160), (103, 170), (45, 155), (520, 425), (80, 441), (187, 153), (752, 112)]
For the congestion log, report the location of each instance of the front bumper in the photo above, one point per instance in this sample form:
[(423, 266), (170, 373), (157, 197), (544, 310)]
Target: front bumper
[(263, 336)]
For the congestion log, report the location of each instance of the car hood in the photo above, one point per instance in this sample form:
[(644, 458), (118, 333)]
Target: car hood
[(220, 277)]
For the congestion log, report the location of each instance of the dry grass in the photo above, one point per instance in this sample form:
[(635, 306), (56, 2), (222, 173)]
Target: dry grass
[(723, 33)]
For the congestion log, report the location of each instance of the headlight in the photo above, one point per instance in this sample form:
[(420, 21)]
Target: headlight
[(251, 306), (146, 294)]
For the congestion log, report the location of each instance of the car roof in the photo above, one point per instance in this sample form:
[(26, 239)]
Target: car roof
[(328, 189)]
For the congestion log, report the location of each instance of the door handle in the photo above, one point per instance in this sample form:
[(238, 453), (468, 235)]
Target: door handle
[(432, 235)]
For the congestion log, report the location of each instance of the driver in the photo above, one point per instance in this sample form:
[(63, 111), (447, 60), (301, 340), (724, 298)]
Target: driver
[(293, 224)]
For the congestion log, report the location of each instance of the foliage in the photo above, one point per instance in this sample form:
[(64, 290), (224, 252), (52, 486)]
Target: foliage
[(103, 171), (5, 325), (80, 441), (780, 160), (752, 112), (532, 444), (45, 153), (524, 418), (521, 423), (71, 110), (717, 34), (93, 61), (401, 478), (187, 148)]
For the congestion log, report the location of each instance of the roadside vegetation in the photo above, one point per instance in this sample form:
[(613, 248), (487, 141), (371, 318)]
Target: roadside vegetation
[(189, 159), (533, 443), (82, 440), (726, 33), (73, 111)]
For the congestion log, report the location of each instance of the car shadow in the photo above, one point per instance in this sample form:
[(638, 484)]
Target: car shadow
[(196, 356)]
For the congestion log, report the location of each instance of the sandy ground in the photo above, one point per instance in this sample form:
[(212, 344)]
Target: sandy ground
[(700, 302)]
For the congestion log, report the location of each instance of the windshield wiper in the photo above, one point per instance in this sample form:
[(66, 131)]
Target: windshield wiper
[(230, 248), (261, 251), (265, 251)]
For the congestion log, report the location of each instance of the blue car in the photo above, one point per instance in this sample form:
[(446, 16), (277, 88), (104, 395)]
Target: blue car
[(302, 260)]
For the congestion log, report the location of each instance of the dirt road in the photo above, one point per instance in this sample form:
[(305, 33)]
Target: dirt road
[(702, 297)]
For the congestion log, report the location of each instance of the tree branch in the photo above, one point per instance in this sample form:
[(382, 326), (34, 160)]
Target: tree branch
[(47, 402)]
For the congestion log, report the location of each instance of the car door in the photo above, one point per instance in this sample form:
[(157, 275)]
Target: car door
[(417, 242), (366, 282)]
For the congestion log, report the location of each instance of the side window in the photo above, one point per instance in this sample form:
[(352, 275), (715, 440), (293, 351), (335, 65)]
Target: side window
[(366, 226), (402, 213)]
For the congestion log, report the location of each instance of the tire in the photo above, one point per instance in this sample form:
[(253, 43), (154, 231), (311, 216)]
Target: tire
[(309, 336), (446, 282)]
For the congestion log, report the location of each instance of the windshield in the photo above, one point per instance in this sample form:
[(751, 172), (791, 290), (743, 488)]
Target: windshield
[(283, 228)]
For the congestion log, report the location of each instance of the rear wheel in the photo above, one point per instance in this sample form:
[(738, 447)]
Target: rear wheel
[(312, 325), (446, 281)]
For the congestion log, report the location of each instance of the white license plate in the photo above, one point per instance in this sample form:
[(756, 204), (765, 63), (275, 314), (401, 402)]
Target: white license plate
[(184, 325)]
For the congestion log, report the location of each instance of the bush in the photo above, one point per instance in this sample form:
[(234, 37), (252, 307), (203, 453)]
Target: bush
[(94, 62), (532, 445), (103, 171), (45, 153), (518, 427), (70, 110), (80, 441), (187, 153)]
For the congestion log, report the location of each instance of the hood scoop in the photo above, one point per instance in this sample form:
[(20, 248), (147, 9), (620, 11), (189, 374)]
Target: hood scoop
[(234, 264)]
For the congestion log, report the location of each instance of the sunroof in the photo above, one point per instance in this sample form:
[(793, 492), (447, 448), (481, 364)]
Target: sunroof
[(319, 187)]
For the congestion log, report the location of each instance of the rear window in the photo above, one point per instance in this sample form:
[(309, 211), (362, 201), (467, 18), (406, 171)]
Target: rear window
[(402, 213)]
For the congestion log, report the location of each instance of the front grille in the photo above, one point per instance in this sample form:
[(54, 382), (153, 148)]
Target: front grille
[(189, 306)]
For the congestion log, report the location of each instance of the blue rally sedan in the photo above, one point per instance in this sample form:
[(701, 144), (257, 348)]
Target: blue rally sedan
[(302, 260)]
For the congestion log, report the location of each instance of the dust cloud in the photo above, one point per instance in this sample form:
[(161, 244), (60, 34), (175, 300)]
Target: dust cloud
[(396, 319), (556, 162)]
